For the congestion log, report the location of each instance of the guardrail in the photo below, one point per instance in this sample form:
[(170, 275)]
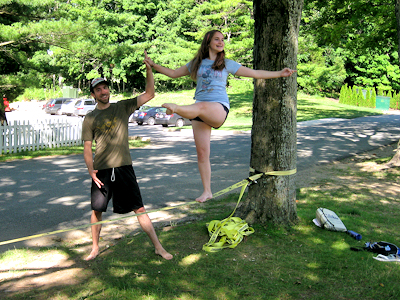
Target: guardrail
[(30, 135)]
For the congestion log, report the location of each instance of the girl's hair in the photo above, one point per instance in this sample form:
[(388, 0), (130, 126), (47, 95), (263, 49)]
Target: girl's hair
[(219, 63)]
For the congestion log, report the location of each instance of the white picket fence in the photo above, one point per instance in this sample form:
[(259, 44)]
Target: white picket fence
[(34, 135)]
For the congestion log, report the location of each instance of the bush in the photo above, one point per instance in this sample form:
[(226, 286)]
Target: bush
[(354, 96), (39, 94)]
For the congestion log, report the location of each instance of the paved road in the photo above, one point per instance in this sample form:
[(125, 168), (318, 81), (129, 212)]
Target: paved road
[(48, 194)]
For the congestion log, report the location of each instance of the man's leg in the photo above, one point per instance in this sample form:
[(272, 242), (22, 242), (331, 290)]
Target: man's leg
[(96, 217), (147, 226)]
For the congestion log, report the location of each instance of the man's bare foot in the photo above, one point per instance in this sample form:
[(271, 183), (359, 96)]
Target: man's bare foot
[(204, 197), (164, 254), (93, 254), (171, 107)]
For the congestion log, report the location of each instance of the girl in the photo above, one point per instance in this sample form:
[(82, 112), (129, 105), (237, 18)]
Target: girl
[(210, 69)]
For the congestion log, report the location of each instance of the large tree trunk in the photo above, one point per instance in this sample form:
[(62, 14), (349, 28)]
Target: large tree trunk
[(395, 161), (274, 138)]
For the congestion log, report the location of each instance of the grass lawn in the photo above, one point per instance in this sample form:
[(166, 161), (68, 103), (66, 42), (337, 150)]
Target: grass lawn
[(300, 262), (59, 151), (297, 262)]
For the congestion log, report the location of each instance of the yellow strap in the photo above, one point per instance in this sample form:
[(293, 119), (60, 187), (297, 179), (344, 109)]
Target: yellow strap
[(228, 229), (242, 183), (232, 229), (277, 173)]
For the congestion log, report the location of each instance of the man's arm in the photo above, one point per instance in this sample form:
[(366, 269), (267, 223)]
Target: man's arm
[(88, 157), (150, 91)]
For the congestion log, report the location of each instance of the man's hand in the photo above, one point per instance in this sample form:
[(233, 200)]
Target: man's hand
[(147, 60), (88, 157), (93, 174)]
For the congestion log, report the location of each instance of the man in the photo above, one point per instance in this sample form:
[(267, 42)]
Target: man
[(111, 169)]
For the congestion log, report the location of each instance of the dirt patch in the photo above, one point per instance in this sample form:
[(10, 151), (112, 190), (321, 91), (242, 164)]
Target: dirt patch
[(45, 269), (40, 271), (331, 172)]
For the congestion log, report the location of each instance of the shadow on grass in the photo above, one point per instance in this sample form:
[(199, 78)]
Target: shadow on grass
[(301, 262)]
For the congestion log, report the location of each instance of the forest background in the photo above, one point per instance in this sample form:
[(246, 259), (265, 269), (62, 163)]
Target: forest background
[(48, 44)]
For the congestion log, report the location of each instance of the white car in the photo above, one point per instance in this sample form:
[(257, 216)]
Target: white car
[(68, 107), (84, 106)]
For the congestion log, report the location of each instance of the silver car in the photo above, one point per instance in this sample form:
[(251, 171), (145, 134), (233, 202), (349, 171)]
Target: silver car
[(84, 106), (54, 105)]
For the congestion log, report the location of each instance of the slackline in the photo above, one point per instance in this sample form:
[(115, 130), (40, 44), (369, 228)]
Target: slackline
[(217, 194)]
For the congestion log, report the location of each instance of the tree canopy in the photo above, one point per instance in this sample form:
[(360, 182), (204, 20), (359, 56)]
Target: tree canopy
[(45, 43)]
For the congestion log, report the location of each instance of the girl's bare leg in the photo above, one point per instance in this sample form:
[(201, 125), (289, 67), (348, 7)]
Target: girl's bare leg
[(211, 113), (202, 135)]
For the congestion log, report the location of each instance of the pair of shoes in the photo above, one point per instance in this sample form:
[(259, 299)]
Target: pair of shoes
[(390, 257)]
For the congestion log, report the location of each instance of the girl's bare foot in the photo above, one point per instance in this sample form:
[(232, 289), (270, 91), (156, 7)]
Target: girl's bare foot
[(93, 254), (204, 197), (171, 107), (164, 254)]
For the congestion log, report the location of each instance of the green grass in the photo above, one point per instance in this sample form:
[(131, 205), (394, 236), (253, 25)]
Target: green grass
[(301, 262), (29, 154), (241, 98)]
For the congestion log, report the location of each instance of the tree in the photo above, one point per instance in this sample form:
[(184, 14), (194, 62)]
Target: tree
[(364, 30), (395, 161), (26, 28), (273, 198)]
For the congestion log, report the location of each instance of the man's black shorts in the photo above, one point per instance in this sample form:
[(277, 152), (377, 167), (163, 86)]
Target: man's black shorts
[(124, 190)]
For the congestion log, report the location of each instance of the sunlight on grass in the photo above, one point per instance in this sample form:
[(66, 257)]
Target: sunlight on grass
[(191, 259), (304, 229), (316, 240), (119, 272), (313, 265), (340, 245)]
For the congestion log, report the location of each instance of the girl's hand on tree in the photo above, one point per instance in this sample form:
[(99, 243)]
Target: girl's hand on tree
[(286, 72)]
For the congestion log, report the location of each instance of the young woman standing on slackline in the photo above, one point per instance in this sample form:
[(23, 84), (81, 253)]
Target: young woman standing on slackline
[(210, 69)]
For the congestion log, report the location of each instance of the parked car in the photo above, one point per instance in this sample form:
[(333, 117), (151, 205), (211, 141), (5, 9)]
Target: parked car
[(148, 115), (174, 119), (84, 106), (68, 107), (54, 105), (132, 117)]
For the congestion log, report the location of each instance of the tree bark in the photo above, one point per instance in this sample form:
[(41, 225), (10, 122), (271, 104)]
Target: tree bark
[(274, 134), (395, 161), (3, 118)]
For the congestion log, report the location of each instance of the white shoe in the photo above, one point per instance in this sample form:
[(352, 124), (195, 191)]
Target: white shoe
[(390, 257)]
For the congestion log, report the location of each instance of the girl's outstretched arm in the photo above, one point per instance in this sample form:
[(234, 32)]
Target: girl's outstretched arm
[(262, 74), (182, 71)]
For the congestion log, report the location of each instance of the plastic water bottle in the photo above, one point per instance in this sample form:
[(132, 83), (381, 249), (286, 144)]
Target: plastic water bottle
[(355, 235)]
